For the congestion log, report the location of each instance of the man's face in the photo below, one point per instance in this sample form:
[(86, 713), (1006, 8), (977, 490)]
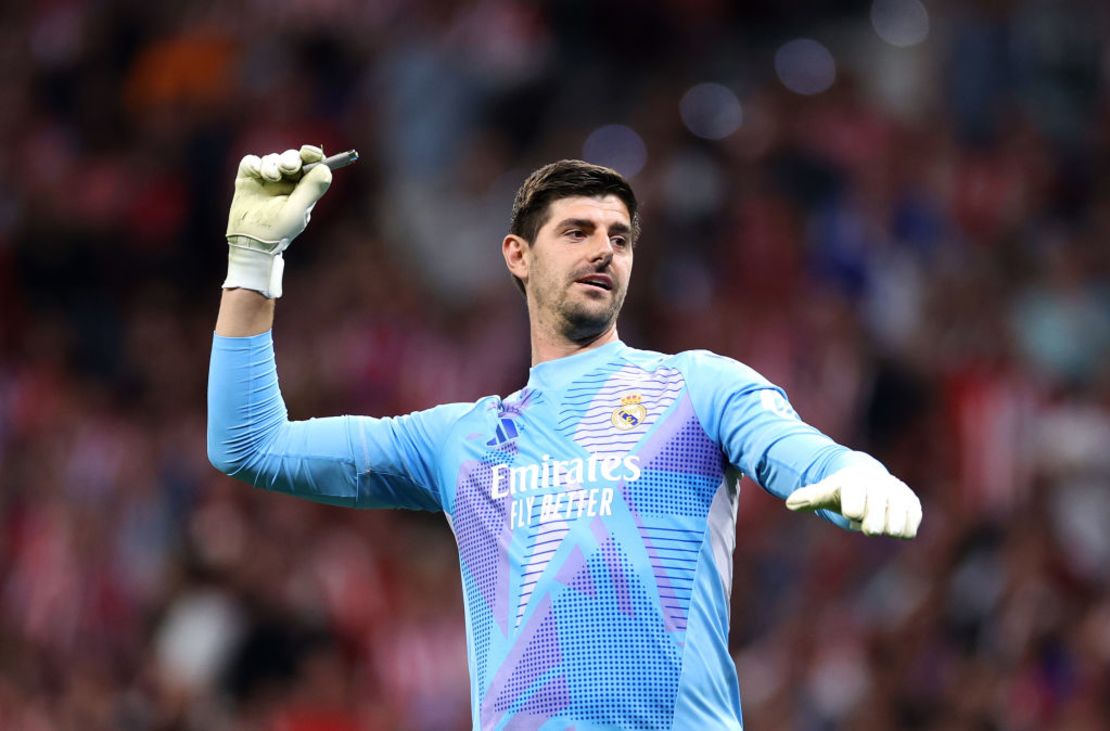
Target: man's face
[(578, 266)]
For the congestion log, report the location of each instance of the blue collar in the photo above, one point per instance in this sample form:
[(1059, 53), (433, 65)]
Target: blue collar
[(554, 375)]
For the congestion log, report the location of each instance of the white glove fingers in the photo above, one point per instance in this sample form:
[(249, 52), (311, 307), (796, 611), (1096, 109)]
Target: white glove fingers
[(269, 167), (874, 501), (823, 494), (913, 518), (853, 499), (310, 189), (800, 499), (311, 153), (898, 514), (904, 520), (875, 516), (289, 162), (250, 167)]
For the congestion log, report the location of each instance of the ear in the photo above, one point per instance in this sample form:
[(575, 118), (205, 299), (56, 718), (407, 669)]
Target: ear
[(515, 249)]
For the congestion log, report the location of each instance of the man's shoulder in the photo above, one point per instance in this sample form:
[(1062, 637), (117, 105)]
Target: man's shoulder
[(683, 359), (696, 365), (450, 414)]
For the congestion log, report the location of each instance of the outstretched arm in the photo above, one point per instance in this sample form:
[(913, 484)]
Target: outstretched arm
[(763, 436), (355, 461), (346, 460)]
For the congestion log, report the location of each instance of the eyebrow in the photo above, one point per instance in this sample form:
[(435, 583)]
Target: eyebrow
[(616, 228)]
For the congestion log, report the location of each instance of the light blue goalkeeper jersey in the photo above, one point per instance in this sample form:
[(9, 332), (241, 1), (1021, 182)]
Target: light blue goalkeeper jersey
[(594, 511)]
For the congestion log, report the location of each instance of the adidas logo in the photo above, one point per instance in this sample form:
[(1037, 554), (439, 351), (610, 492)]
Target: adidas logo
[(506, 432)]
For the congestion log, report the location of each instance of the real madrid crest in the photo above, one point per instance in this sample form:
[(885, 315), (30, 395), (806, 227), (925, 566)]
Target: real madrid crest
[(631, 413)]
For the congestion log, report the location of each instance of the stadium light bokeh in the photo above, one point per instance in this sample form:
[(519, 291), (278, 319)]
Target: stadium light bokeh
[(805, 66), (616, 146), (711, 111), (901, 23)]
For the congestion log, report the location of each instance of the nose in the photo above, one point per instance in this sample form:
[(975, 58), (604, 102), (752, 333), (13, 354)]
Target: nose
[(601, 247)]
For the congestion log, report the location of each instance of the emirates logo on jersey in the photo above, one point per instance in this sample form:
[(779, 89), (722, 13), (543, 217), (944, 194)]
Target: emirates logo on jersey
[(630, 414)]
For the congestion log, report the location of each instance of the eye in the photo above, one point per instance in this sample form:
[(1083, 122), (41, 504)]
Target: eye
[(575, 234), (620, 242)]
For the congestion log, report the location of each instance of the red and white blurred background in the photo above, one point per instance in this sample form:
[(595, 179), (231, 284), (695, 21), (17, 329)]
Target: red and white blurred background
[(897, 210)]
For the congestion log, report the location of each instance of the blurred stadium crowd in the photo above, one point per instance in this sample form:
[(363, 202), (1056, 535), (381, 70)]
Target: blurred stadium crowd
[(902, 219)]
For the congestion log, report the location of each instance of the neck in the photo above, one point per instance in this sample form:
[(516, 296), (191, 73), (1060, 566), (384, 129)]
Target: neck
[(546, 345)]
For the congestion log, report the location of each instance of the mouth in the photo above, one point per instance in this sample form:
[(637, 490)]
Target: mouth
[(598, 281)]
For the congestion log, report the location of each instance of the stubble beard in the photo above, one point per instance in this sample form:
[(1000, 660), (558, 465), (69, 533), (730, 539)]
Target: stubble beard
[(580, 321)]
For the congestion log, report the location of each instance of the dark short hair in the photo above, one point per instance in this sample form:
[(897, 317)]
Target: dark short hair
[(566, 179)]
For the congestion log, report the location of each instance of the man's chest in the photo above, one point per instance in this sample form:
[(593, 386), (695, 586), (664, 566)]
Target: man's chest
[(587, 451)]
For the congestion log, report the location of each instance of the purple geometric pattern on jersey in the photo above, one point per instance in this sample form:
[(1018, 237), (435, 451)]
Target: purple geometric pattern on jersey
[(619, 578), (542, 542), (674, 577), (689, 496), (571, 573), (482, 533), (682, 469), (622, 668), (600, 530), (681, 445), (548, 701), (603, 536), (535, 652), (587, 407), (673, 553)]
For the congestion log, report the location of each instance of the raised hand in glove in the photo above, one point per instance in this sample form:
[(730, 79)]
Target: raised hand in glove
[(272, 204)]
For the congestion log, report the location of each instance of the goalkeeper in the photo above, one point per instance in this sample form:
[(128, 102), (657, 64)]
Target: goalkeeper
[(595, 508)]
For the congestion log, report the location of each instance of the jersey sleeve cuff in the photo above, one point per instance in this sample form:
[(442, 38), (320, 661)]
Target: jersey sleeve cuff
[(249, 342)]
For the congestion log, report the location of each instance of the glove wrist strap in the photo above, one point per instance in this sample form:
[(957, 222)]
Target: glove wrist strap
[(249, 268)]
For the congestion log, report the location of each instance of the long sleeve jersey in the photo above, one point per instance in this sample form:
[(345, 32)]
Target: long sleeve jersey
[(594, 512)]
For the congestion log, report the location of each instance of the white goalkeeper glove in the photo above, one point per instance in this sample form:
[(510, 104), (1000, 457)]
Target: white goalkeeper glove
[(272, 205), (876, 502)]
